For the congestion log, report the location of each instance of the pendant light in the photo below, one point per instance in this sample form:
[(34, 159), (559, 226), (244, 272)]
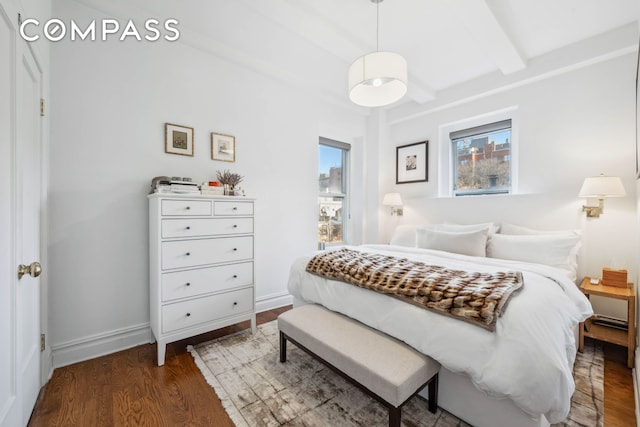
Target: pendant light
[(378, 78)]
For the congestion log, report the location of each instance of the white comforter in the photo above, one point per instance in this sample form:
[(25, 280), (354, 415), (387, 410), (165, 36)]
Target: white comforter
[(529, 358)]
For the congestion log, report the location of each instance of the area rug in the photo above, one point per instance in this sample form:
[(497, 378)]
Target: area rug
[(257, 390)]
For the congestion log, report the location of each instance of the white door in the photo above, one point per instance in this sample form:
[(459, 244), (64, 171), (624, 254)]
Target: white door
[(20, 207)]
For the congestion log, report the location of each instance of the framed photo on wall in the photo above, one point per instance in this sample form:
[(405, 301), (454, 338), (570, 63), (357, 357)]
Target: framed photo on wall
[(223, 147), (412, 163), (178, 139)]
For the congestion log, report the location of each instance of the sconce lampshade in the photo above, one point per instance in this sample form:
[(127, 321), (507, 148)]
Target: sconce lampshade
[(602, 187), (392, 199), (377, 79)]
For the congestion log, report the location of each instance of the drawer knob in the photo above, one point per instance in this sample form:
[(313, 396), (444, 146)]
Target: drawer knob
[(235, 249), (235, 276), (235, 225), (235, 208), (188, 228), (188, 208), (188, 253), (187, 284), (188, 314), (235, 303)]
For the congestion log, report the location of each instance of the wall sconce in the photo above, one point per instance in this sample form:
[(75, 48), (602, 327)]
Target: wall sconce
[(600, 187), (395, 201)]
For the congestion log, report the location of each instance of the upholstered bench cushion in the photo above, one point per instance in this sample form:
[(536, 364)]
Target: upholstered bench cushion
[(386, 366)]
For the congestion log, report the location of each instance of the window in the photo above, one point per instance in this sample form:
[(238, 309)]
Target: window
[(482, 159), (333, 201)]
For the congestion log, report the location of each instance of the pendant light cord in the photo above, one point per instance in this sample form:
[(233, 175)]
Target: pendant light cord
[(378, 26)]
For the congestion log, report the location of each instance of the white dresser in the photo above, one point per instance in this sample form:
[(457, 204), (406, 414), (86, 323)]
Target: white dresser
[(201, 265)]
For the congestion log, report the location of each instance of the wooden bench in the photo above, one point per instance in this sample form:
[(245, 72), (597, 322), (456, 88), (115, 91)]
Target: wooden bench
[(387, 369)]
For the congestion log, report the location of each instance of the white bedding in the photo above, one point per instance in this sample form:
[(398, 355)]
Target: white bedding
[(529, 358)]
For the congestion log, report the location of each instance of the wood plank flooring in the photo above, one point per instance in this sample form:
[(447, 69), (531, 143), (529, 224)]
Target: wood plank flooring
[(128, 389)]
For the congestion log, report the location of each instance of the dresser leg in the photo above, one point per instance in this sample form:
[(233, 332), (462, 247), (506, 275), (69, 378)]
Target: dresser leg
[(253, 324), (162, 348)]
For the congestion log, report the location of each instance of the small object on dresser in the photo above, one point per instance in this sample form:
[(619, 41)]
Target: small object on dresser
[(184, 187), (611, 277), (160, 184), (211, 190)]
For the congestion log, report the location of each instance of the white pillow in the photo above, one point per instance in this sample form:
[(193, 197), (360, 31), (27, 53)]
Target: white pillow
[(472, 243), (555, 250), (404, 235), (491, 227), (517, 229)]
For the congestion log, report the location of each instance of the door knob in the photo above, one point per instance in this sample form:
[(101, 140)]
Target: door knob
[(34, 269)]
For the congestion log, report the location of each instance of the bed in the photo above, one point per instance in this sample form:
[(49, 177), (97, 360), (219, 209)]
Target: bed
[(519, 374)]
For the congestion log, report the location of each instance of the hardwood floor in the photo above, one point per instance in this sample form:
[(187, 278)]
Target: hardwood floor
[(128, 389), (619, 403)]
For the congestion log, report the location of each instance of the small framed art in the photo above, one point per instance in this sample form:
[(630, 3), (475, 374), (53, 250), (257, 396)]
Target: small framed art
[(223, 147), (412, 162), (178, 139)]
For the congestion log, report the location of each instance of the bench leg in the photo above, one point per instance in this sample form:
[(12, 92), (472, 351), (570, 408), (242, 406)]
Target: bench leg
[(433, 394), (394, 416), (283, 350)]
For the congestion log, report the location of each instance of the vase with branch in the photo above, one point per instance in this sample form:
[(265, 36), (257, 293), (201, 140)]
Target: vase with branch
[(229, 180)]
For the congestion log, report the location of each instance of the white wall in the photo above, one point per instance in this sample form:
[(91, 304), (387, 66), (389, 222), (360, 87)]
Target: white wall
[(110, 101), (571, 125)]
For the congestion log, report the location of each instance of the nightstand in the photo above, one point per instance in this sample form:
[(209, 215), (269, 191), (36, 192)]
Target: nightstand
[(625, 338)]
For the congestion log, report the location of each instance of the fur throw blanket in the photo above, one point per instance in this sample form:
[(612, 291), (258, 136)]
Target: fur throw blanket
[(478, 298)]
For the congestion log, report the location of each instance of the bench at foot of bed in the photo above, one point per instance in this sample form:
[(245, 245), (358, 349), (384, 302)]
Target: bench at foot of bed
[(387, 369)]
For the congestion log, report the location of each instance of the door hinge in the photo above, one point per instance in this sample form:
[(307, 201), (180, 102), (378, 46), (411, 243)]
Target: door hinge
[(41, 107), (42, 342), (19, 19)]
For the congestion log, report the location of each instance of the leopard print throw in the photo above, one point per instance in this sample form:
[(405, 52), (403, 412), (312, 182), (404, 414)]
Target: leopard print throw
[(478, 298)]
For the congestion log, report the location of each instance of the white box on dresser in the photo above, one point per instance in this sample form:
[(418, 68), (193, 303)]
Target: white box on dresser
[(201, 265)]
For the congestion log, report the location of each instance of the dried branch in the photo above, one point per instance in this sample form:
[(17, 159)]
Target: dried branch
[(230, 178)]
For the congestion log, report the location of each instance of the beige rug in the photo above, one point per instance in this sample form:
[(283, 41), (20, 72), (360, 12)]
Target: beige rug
[(257, 390)]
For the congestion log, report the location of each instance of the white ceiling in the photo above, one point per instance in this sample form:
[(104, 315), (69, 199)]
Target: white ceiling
[(311, 43)]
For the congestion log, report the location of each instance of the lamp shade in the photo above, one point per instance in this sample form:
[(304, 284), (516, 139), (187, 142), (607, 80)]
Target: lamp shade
[(392, 199), (602, 187), (377, 79)]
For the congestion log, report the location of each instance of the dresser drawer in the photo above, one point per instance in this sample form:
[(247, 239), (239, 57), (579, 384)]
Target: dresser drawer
[(186, 207), (184, 284), (191, 253), (190, 227), (232, 208), (189, 313)]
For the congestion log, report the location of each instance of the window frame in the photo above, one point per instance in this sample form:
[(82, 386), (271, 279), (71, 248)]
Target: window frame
[(445, 151), (478, 132), (345, 194)]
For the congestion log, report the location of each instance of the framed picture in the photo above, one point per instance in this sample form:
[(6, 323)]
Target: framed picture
[(178, 139), (412, 162), (223, 147)]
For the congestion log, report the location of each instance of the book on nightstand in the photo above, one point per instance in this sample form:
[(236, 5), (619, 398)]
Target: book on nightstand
[(611, 322)]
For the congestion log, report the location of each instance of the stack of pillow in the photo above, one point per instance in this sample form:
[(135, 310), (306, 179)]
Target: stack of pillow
[(557, 249)]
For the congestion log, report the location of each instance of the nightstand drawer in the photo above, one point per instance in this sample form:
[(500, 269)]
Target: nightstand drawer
[(186, 207), (192, 227), (202, 310), (185, 284), (232, 208), (191, 253)]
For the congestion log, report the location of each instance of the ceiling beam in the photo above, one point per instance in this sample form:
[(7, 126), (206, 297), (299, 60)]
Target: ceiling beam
[(487, 32)]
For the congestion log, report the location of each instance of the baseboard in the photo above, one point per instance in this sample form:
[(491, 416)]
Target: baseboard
[(272, 301), (46, 365), (121, 339), (636, 384), (100, 345)]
